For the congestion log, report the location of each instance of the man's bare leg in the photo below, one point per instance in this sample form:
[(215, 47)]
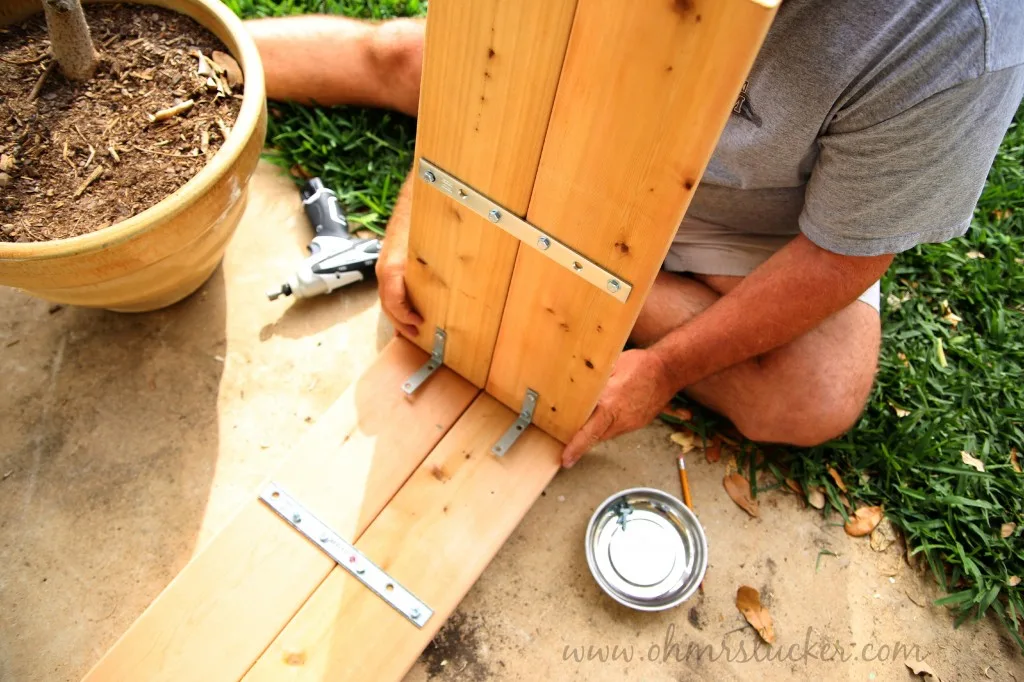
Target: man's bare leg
[(335, 60), (804, 393)]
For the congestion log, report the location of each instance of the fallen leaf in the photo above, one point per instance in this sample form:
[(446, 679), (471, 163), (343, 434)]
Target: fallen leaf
[(864, 521), (714, 450), (1007, 529), (846, 501), (731, 467), (835, 477), (1013, 581), (739, 490), (1014, 462), (999, 214), (975, 255), (794, 486), (748, 601), (903, 359), (923, 670), (228, 64), (680, 413), (900, 412), (685, 440), (816, 497), (883, 535), (971, 460)]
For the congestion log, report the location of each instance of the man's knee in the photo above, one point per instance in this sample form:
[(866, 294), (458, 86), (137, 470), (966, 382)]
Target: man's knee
[(829, 407)]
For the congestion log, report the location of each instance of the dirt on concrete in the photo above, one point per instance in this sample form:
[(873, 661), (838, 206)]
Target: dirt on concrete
[(128, 440)]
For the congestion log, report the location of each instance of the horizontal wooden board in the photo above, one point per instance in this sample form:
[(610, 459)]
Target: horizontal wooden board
[(435, 537), (644, 94), (489, 75), (230, 602)]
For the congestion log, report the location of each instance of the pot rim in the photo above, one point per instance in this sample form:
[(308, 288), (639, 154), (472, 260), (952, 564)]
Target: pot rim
[(246, 125)]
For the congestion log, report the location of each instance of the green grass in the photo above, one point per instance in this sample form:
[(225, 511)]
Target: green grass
[(962, 386)]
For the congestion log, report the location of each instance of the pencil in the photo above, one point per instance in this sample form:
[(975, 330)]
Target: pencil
[(685, 481)]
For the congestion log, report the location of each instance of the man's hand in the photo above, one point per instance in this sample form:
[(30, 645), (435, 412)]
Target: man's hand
[(394, 299), (635, 394)]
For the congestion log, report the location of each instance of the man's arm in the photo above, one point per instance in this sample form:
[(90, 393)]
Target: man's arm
[(788, 295), (392, 262)]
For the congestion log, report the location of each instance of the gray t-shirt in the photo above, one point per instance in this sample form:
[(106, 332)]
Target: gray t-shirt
[(868, 125)]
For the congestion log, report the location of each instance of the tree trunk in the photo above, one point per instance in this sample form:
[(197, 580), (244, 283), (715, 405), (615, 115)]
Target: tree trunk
[(70, 41)]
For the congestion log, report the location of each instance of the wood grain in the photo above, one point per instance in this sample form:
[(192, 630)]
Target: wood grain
[(224, 608), (642, 99), (435, 537), (489, 76)]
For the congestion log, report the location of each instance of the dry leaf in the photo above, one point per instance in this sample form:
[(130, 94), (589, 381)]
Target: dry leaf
[(900, 412), (999, 214), (739, 490), (923, 670), (816, 497), (228, 64), (1007, 529), (835, 477), (748, 601), (714, 450), (685, 440), (731, 467), (864, 521), (971, 460), (883, 535), (846, 501), (1013, 581), (1014, 462), (794, 486), (975, 254), (680, 413)]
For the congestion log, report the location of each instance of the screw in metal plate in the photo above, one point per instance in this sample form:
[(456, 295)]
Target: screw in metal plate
[(415, 613), (577, 266), (543, 243), (429, 176), (296, 518), (324, 538), (494, 216), (614, 286), (462, 194)]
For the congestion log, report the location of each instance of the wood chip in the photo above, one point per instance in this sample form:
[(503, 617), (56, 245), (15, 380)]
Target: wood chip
[(686, 440), (42, 79), (971, 460), (864, 521), (230, 67), (738, 489), (6, 163), (96, 173), (113, 154), (748, 601), (1006, 530), (224, 130), (177, 109)]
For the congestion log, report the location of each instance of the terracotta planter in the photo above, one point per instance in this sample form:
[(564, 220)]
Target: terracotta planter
[(165, 253)]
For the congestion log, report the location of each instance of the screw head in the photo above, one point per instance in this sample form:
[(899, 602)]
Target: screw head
[(296, 518), (324, 538), (494, 216), (415, 613), (543, 243), (614, 286), (429, 176)]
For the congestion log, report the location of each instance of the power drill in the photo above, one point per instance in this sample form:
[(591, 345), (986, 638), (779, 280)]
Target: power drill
[(336, 258)]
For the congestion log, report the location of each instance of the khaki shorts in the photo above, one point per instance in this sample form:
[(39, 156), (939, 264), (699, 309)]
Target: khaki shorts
[(712, 251)]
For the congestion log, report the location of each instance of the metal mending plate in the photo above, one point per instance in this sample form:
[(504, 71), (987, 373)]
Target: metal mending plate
[(431, 365), (347, 556), (518, 426), (646, 549), (569, 259)]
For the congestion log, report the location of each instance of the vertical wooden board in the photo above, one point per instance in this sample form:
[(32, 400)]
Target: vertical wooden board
[(489, 75), (224, 608), (435, 537), (642, 99)]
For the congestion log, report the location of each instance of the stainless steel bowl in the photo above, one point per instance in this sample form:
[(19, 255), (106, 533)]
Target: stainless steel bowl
[(646, 549)]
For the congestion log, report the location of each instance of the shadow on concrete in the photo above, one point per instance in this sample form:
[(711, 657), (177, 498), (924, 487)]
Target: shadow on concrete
[(307, 317), (108, 445)]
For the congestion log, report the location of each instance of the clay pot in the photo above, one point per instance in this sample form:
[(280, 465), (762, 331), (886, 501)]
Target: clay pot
[(165, 253)]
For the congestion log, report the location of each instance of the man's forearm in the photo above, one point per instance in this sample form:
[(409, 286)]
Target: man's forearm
[(396, 240), (790, 294)]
